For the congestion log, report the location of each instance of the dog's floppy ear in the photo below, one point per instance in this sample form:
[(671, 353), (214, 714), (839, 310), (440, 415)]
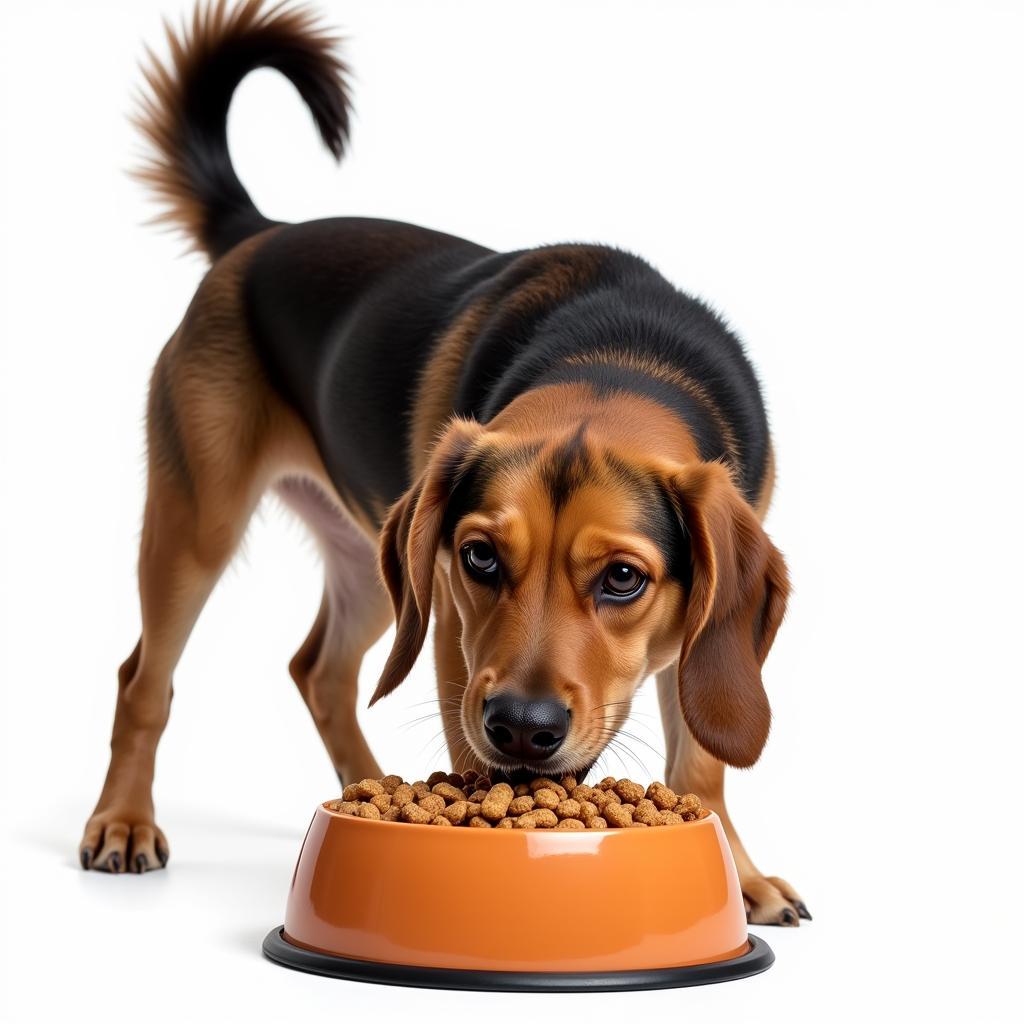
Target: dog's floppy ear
[(408, 547), (734, 609)]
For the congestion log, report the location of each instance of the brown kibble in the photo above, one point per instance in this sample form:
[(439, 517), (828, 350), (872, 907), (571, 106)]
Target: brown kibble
[(420, 789), (391, 783), (689, 803), (455, 779), (440, 819), (478, 796), (368, 811), (506, 823), (522, 789), (611, 797), (597, 822), (629, 791), (606, 783), (482, 782), (469, 775), (582, 792), (456, 812), (472, 810), (496, 802), (541, 817), (545, 797), (350, 793), (704, 812), (639, 824), (546, 783), (382, 801), (448, 792), (479, 822), (346, 807), (416, 815), (588, 810), (646, 812), (392, 814), (435, 777), (568, 809), (661, 796), (368, 788), (520, 805), (402, 795), (670, 818), (432, 802), (617, 816), (569, 825), (568, 783)]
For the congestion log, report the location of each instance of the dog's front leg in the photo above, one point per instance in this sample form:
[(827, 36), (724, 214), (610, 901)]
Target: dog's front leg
[(691, 769)]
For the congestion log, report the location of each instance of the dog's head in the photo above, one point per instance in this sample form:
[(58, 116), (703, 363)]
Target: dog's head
[(578, 570)]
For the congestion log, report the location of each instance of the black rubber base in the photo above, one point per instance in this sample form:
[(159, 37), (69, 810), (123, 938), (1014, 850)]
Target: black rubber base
[(757, 959)]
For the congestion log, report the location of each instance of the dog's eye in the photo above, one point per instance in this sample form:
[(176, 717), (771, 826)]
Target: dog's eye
[(622, 581), (480, 560)]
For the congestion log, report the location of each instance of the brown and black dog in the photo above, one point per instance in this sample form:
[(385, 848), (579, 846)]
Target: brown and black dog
[(557, 452)]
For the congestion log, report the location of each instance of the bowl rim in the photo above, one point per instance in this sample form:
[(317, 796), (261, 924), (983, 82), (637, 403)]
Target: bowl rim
[(406, 825)]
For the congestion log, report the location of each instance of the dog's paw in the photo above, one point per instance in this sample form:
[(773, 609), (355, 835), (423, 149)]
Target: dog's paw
[(772, 901), (118, 842)]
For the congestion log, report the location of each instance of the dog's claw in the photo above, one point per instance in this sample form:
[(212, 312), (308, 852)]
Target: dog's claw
[(141, 863), (801, 909), (788, 918), (85, 857), (162, 855), (114, 863)]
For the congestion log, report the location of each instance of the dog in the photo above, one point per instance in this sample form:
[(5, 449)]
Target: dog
[(554, 452)]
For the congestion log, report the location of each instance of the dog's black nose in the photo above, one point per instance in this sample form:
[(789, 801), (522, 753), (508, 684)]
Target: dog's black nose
[(527, 729)]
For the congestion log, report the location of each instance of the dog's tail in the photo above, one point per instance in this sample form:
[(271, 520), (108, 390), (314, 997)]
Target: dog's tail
[(184, 112)]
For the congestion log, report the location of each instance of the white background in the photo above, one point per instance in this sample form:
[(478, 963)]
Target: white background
[(842, 180)]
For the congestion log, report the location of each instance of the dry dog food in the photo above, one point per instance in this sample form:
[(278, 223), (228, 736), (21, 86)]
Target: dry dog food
[(472, 801)]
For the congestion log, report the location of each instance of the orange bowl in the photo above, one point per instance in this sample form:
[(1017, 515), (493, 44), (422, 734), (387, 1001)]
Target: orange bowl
[(509, 909)]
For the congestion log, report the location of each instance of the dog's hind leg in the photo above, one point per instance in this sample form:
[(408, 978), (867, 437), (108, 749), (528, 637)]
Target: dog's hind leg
[(354, 613), (210, 427), (691, 769)]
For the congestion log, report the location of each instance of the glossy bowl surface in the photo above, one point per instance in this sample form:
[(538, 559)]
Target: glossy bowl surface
[(516, 900)]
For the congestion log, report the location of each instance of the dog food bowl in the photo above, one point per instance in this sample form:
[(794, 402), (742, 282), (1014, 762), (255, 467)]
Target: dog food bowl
[(516, 910)]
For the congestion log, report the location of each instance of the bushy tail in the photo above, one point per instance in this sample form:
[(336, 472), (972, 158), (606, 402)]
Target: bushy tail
[(184, 112)]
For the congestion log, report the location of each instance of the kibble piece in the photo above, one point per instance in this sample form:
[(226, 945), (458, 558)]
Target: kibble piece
[(569, 825), (546, 783), (639, 824), (520, 805), (469, 775), (448, 792), (402, 795), (456, 812), (392, 814), (703, 813), (597, 822), (440, 819), (646, 812), (368, 811), (391, 783), (568, 783), (588, 810), (545, 797), (382, 801), (479, 822), (617, 816), (541, 817), (496, 802), (582, 792), (478, 796), (606, 783), (522, 789), (350, 792), (629, 791), (472, 810), (689, 803), (506, 823), (420, 789), (670, 818), (416, 815), (347, 807), (482, 782), (455, 779), (435, 777), (568, 809), (661, 796), (432, 802), (611, 797)]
